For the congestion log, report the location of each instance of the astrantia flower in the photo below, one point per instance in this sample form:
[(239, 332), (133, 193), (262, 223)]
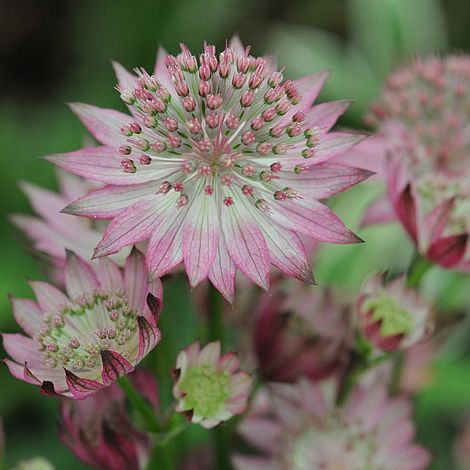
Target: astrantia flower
[(208, 387), (302, 332), (423, 118), (98, 429), (301, 428), (53, 232), (82, 341), (221, 165), (392, 316)]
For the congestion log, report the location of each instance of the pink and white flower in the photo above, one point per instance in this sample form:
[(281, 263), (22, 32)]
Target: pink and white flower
[(423, 120), (302, 331), (99, 432), (208, 386), (83, 340), (392, 316), (221, 165), (299, 427)]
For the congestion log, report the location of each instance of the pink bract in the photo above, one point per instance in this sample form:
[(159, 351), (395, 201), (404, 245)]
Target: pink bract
[(299, 427), (82, 341), (221, 165), (53, 232), (99, 432)]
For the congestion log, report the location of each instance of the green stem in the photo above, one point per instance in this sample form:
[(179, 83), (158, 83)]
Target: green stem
[(140, 405), (418, 268), (216, 315), (161, 457)]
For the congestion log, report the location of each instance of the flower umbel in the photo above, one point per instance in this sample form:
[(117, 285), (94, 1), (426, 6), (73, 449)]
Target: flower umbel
[(208, 387), (221, 165), (299, 427), (423, 120), (391, 315), (84, 340)]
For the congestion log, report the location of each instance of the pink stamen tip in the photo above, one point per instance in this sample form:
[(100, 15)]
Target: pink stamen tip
[(301, 168), (170, 124), (228, 201), (247, 98), (145, 160), (308, 153), (299, 116), (174, 141), (204, 169), (249, 170), (232, 121), (135, 128), (238, 80), (204, 88), (212, 120), (209, 190), (158, 146), (247, 190), (182, 201), (214, 101), (257, 123), (269, 114), (189, 104), (248, 138), (280, 196), (178, 186), (128, 165), (164, 187), (124, 149), (264, 148), (186, 168), (125, 130), (194, 126), (227, 180)]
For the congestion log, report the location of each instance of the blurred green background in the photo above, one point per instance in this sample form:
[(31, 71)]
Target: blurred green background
[(54, 51)]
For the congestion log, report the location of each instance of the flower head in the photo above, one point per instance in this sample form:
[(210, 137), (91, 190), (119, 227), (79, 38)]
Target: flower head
[(299, 427), (207, 385), (423, 119), (221, 165), (98, 429), (82, 341), (302, 332), (392, 316)]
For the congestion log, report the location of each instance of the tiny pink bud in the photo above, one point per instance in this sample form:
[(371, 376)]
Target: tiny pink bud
[(248, 137), (204, 88), (189, 104), (158, 146), (124, 149), (228, 201), (170, 124), (247, 98), (276, 167), (145, 160), (247, 190)]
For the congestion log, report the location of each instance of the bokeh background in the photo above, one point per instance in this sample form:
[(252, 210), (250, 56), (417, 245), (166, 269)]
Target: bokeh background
[(55, 51)]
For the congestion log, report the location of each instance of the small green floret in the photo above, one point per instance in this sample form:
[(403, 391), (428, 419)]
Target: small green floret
[(395, 319), (206, 390)]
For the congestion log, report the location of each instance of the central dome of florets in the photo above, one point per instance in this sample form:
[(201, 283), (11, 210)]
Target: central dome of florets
[(225, 121)]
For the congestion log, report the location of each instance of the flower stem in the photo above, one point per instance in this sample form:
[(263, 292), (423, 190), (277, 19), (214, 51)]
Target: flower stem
[(161, 457), (140, 405), (418, 268), (215, 314), (216, 333)]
